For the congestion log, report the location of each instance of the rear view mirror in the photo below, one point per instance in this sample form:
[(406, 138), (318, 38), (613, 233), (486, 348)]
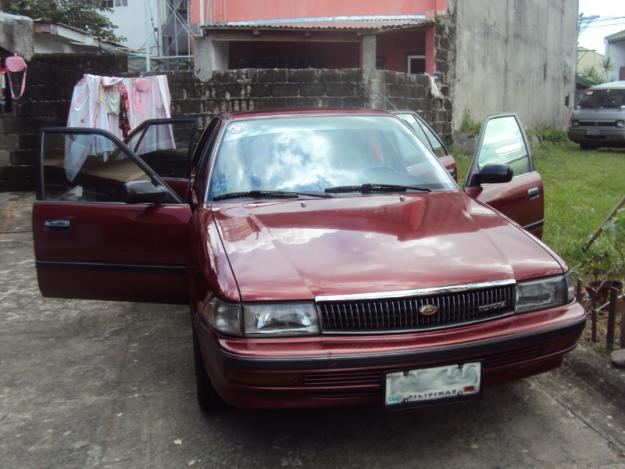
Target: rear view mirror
[(492, 174), (144, 192)]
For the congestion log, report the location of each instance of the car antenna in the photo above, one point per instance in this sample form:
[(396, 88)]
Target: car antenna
[(386, 99)]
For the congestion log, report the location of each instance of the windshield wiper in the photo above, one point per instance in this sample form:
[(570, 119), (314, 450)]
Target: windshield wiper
[(369, 188), (259, 194)]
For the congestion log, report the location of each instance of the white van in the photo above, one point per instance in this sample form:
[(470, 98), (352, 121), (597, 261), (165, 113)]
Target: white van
[(599, 119)]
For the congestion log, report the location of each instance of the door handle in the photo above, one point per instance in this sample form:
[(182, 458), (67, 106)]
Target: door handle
[(56, 225), (533, 193)]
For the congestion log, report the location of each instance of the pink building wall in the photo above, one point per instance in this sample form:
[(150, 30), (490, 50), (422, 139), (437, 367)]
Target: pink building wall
[(237, 10)]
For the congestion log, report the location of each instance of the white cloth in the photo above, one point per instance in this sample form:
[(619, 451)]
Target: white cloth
[(434, 90)]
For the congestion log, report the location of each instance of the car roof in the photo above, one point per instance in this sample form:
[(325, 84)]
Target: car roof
[(612, 85), (303, 112)]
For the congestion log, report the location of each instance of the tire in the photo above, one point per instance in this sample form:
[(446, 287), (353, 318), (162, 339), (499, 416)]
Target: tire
[(587, 146), (207, 397)]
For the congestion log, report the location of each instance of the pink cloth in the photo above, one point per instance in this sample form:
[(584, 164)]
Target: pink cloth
[(93, 106)]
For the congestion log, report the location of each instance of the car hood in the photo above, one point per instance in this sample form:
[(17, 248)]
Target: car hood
[(297, 250)]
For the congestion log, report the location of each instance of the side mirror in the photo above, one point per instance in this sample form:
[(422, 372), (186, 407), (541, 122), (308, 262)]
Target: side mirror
[(144, 192), (492, 174)]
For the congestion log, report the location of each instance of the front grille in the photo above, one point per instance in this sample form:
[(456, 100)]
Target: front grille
[(407, 313), (597, 123)]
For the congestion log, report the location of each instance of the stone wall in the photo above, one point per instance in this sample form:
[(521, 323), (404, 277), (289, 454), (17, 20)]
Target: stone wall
[(51, 79), (250, 89), (413, 92)]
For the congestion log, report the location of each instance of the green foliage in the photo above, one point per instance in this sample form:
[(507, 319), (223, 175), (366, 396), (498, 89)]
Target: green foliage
[(605, 260), (607, 65), (592, 75), (468, 125), (86, 15), (552, 135)]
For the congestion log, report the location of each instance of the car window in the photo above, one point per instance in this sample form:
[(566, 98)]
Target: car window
[(437, 145), (87, 167), (610, 98), (503, 143), (313, 153), (416, 128)]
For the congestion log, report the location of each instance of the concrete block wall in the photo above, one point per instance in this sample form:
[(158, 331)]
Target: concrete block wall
[(413, 92), (250, 89), (51, 79)]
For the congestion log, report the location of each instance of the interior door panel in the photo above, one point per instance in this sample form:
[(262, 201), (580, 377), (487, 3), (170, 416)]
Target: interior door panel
[(167, 145)]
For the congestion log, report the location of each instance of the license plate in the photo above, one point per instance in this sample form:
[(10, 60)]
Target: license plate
[(431, 384), (593, 132)]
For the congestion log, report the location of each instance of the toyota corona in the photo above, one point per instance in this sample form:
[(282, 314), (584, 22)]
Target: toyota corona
[(327, 256)]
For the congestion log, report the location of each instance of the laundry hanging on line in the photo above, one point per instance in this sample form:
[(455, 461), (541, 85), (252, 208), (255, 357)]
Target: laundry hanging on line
[(116, 105)]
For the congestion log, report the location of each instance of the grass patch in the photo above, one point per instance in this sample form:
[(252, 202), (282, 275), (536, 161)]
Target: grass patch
[(580, 189), (468, 125)]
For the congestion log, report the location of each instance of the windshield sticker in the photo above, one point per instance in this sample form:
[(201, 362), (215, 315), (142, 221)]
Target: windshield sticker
[(236, 129)]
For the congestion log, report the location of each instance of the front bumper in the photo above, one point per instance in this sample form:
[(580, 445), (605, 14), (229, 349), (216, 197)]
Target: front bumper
[(329, 371), (600, 136)]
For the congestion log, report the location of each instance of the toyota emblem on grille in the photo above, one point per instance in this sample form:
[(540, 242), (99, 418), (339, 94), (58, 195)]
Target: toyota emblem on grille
[(428, 310)]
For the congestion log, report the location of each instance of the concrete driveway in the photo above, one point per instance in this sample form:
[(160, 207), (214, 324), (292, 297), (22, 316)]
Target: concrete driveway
[(95, 384)]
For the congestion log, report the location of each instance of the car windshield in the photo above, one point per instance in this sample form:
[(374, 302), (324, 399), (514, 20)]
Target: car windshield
[(317, 153), (612, 99)]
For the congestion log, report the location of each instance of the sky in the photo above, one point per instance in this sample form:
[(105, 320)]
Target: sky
[(592, 37)]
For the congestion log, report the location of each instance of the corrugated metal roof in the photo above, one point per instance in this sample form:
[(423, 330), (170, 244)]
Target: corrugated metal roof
[(616, 36), (343, 23)]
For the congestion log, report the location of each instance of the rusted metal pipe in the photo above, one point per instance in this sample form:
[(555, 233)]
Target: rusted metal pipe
[(593, 314), (611, 317)]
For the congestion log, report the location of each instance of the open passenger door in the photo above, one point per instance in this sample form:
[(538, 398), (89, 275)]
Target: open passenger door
[(105, 225), (503, 146), (167, 145)]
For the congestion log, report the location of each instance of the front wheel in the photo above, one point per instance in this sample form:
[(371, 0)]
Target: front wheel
[(207, 397)]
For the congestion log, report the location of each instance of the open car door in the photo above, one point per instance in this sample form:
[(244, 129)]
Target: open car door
[(105, 225), (503, 142), (166, 145)]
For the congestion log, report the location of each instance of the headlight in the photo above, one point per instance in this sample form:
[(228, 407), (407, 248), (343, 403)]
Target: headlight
[(574, 123), (280, 319), (620, 124), (261, 319), (542, 294)]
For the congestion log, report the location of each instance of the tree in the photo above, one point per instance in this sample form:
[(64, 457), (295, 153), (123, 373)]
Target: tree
[(86, 15), (592, 74), (607, 66)]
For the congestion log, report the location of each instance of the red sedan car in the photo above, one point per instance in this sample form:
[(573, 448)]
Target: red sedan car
[(327, 256)]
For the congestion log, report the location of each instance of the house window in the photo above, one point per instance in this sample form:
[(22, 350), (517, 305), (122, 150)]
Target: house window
[(114, 3), (416, 64)]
